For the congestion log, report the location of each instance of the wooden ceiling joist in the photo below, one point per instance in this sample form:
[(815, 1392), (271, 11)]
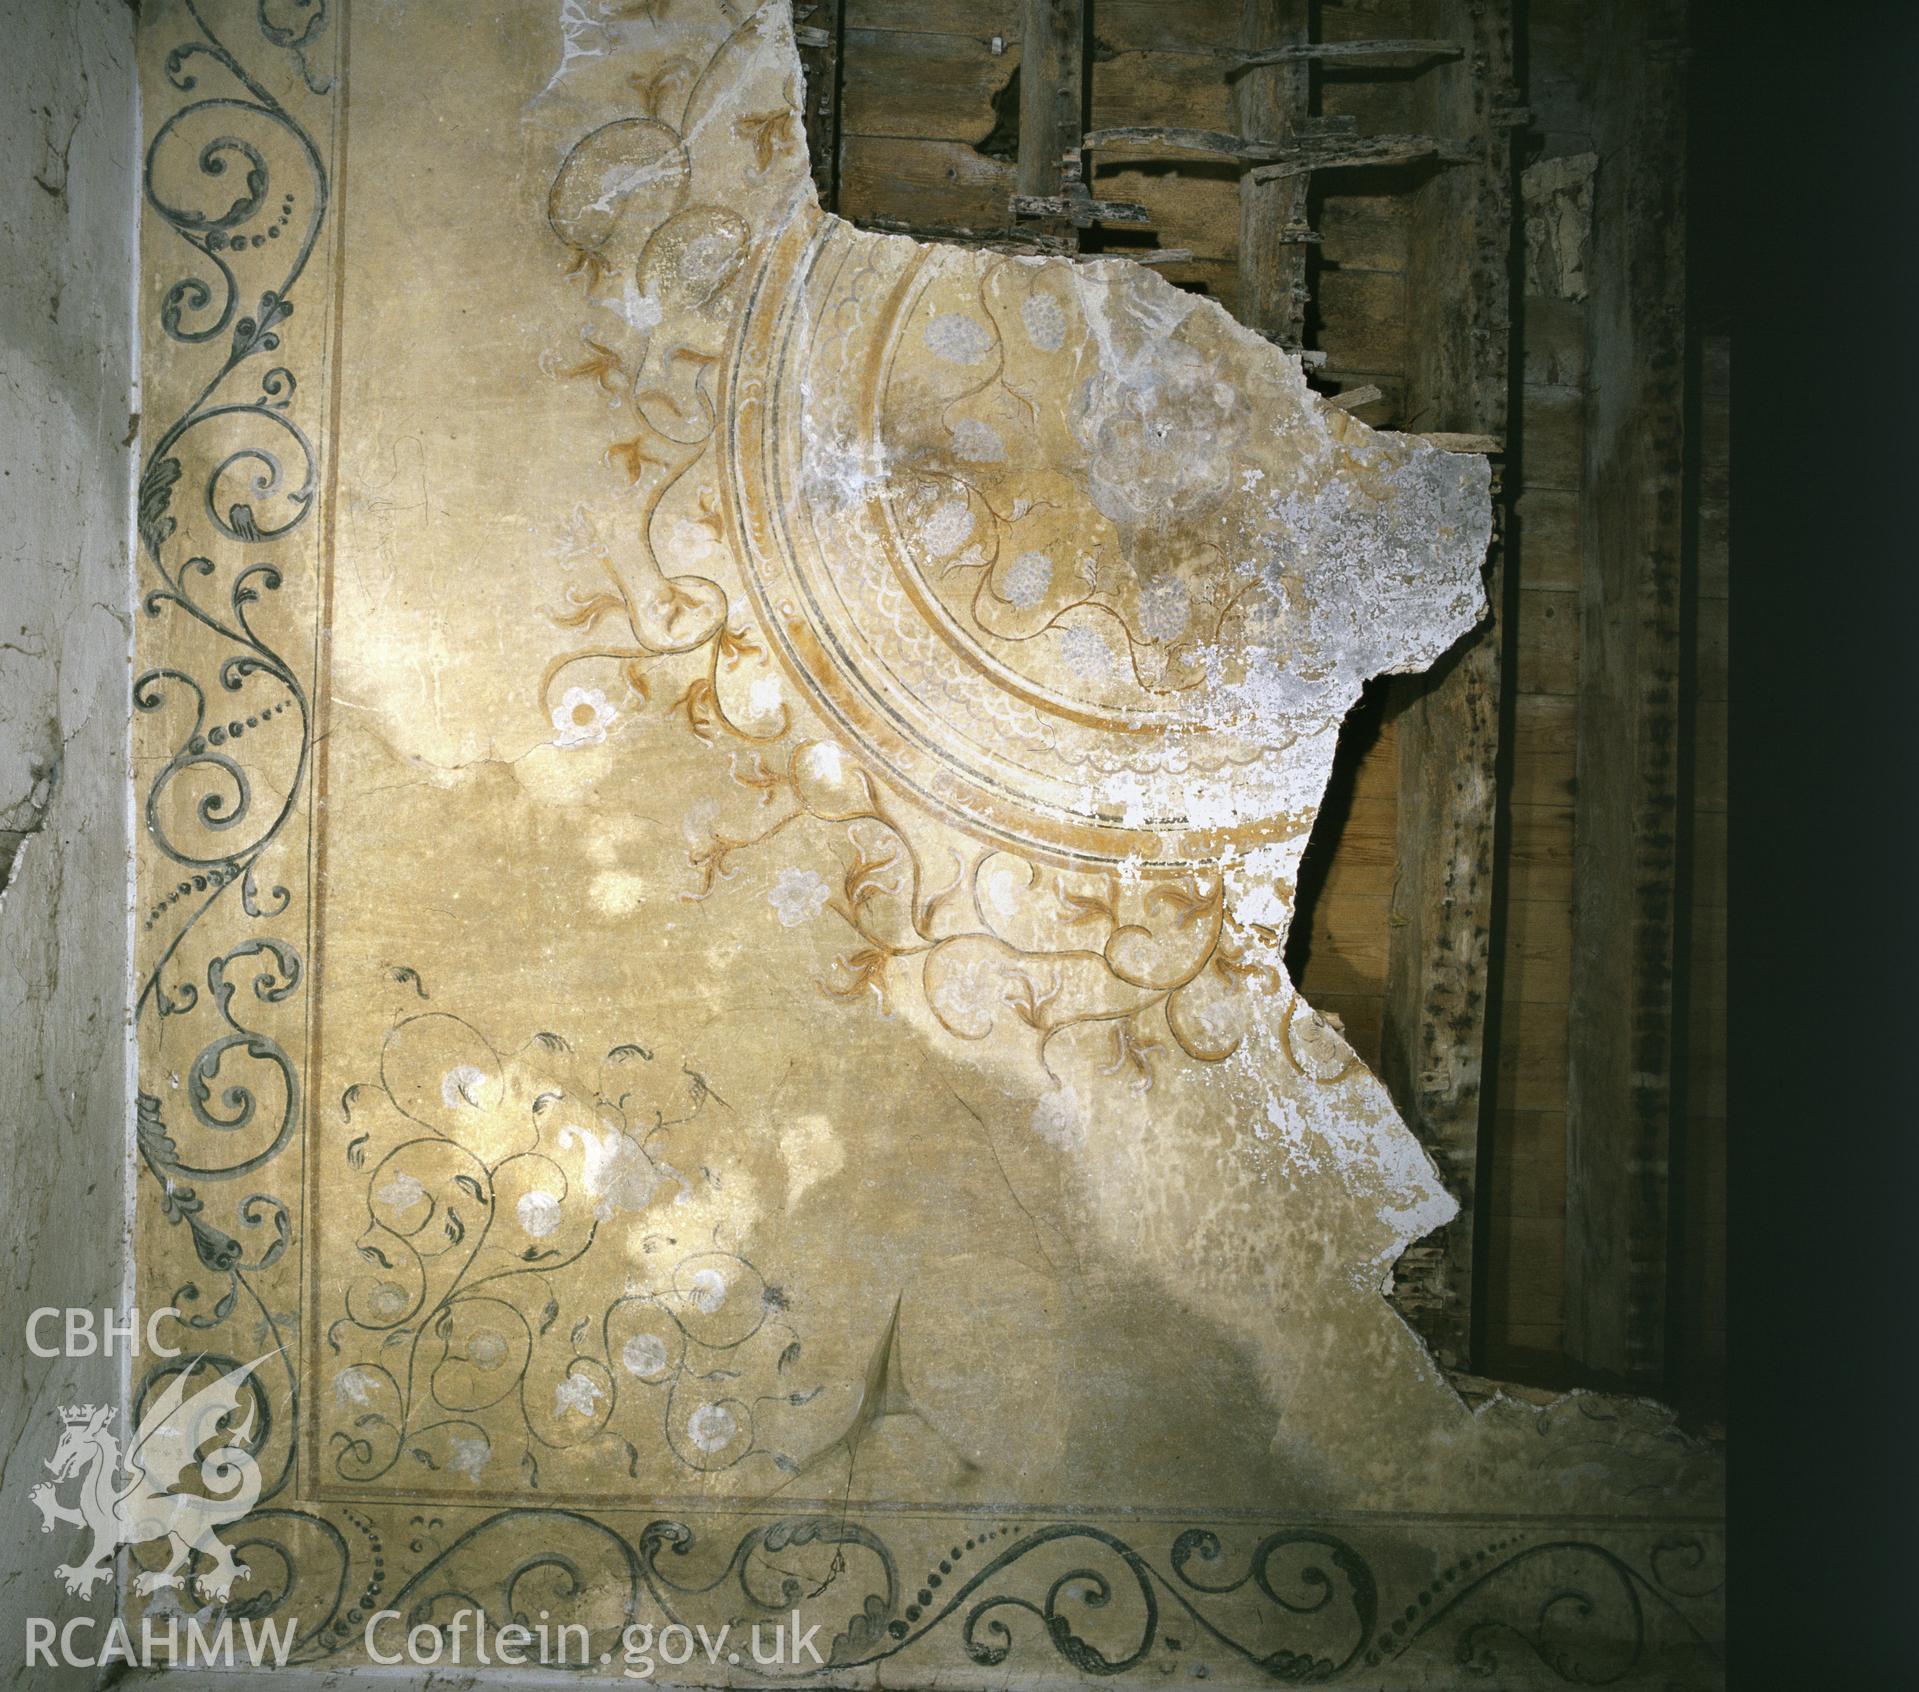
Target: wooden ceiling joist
[(1077, 207), (1630, 791), (1433, 1029), (1273, 100), (1311, 153), (1051, 92), (1298, 155), (1353, 55)]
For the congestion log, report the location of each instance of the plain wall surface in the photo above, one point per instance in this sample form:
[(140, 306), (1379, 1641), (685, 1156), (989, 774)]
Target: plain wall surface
[(68, 116)]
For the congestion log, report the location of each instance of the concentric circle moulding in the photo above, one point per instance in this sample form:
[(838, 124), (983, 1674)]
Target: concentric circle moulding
[(722, 802)]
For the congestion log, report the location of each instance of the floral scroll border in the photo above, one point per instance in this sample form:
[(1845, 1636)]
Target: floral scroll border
[(226, 496), (221, 925), (211, 904)]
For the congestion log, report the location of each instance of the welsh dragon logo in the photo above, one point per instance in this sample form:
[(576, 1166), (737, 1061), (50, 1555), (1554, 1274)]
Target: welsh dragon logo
[(128, 1500)]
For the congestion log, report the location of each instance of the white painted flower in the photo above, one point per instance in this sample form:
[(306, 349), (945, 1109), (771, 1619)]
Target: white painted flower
[(389, 1298), (469, 1457), (1003, 888), (539, 1213), (460, 1086), (710, 1427), (706, 1290), (1159, 443), (486, 1349), (958, 339), (798, 896), (617, 892), (1086, 653), (402, 1192), (642, 311), (708, 257), (696, 827), (1045, 322), (765, 696), (947, 529), (643, 1355), (166, 1602), (355, 1386), (1027, 579), (689, 542), (582, 717), (578, 1393), (618, 1172), (977, 442), (1057, 1118), (1165, 607), (974, 988), (577, 538)]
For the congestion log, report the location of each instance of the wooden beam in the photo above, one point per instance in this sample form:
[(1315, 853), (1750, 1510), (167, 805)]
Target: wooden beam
[(1210, 143), (1360, 152), (1439, 951), (1451, 440), (1355, 55), (1271, 102), (1051, 69), (1626, 813), (1075, 206), (1274, 157)]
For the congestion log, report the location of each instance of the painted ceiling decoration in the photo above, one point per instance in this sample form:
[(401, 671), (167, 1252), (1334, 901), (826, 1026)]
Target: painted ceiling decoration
[(723, 795)]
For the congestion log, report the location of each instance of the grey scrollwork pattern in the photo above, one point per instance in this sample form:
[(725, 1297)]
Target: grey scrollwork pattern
[(232, 174)]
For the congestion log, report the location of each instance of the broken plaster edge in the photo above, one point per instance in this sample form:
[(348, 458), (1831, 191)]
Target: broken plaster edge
[(1500, 1398)]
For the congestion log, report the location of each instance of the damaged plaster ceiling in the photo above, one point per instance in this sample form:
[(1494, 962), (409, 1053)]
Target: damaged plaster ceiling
[(776, 1007)]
